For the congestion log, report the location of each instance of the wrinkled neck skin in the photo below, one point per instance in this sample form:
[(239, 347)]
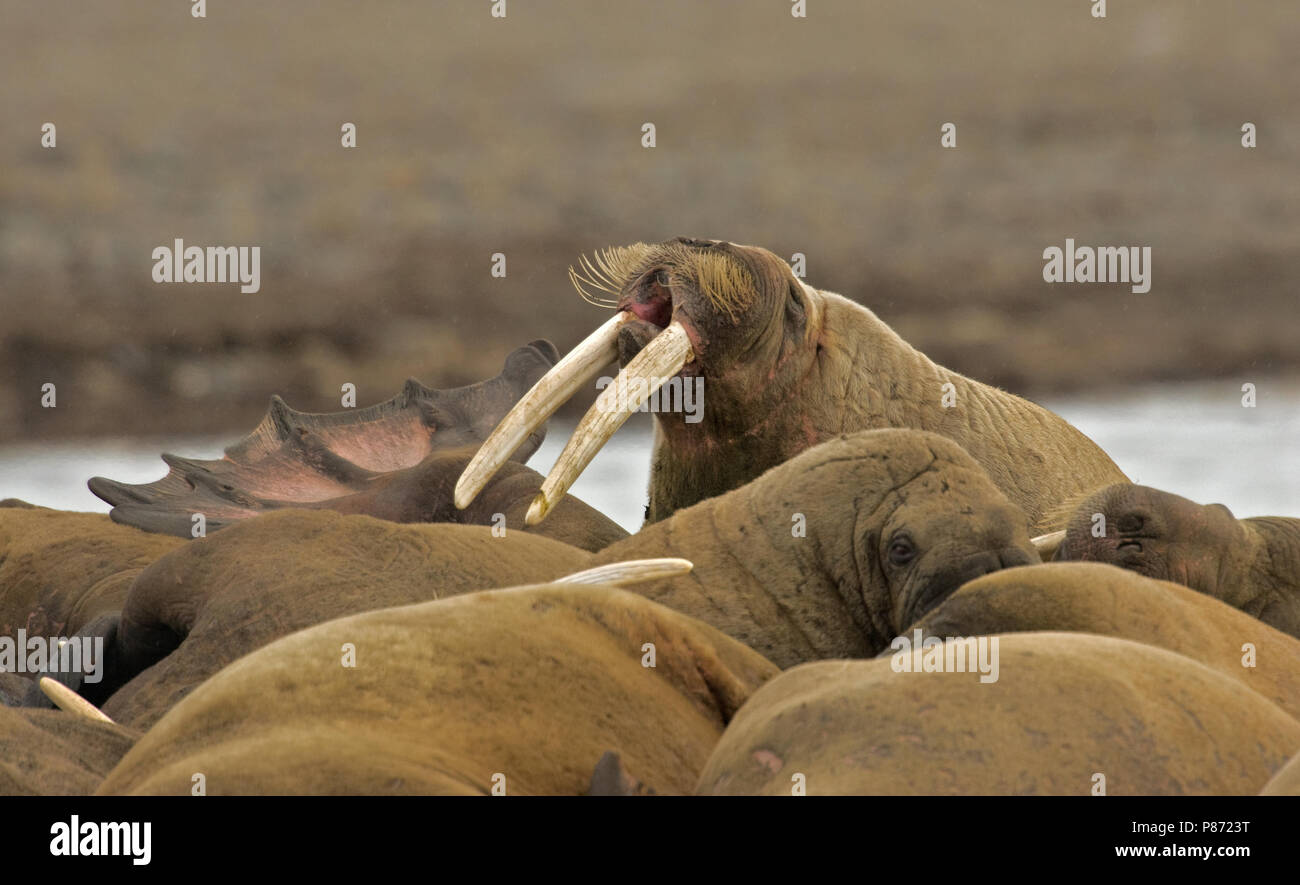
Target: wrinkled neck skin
[(1270, 586), (848, 372), (791, 599)]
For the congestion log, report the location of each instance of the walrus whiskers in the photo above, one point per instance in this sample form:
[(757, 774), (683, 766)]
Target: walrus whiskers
[(723, 281), (720, 278), (609, 270), (69, 701)]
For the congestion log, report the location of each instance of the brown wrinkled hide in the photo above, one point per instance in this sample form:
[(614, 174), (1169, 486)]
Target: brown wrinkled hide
[(795, 563), (218, 598), (52, 753), (799, 365), (1251, 564), (60, 570), (1094, 598), (533, 683), (1066, 706)]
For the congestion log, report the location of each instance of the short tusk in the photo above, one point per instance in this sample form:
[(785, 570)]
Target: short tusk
[(630, 571), (69, 701), (1048, 544), (658, 361), (551, 391)]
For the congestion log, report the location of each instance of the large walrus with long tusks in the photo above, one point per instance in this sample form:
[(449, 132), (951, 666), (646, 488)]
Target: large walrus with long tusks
[(784, 367)]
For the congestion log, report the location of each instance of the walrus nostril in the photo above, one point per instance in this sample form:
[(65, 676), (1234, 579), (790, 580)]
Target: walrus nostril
[(658, 312)]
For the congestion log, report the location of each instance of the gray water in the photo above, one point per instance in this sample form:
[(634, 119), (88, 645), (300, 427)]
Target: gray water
[(1195, 440)]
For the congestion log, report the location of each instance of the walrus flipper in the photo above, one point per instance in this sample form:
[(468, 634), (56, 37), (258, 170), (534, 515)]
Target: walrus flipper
[(299, 459)]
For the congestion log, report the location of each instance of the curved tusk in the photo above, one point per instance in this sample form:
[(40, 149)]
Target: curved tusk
[(69, 701), (658, 361), (551, 391), (630, 571), (1048, 544)]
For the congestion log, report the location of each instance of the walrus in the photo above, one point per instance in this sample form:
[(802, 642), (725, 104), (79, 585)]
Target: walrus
[(1089, 597), (1070, 714), (828, 555), (520, 691), (832, 553), (1251, 564), (784, 367), (52, 753), (218, 598), (60, 571), (397, 460)]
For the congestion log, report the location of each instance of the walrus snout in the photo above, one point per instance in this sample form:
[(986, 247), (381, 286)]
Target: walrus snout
[(651, 300), (944, 583)]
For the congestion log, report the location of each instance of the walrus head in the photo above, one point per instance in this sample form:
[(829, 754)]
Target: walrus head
[(734, 316), (834, 552), (1158, 534), (938, 523)]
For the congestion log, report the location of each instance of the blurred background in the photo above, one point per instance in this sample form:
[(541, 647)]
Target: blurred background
[(522, 135)]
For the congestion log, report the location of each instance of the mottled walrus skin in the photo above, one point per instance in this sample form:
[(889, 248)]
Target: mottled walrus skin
[(895, 521), (14, 688), (1086, 597), (1066, 707), (1286, 782), (59, 571), (52, 753), (218, 598), (1251, 564), (831, 591), (787, 366), (533, 683)]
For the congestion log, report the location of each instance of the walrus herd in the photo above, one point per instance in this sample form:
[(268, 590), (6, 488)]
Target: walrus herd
[(860, 573)]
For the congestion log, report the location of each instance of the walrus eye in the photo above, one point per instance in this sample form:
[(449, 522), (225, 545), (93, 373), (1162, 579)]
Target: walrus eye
[(901, 551)]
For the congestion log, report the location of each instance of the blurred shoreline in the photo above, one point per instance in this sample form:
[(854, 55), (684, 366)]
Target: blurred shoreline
[(1195, 440)]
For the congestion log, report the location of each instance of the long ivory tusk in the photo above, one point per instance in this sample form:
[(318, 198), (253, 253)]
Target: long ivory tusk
[(551, 391), (1048, 544), (658, 361), (630, 571), (69, 701)]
